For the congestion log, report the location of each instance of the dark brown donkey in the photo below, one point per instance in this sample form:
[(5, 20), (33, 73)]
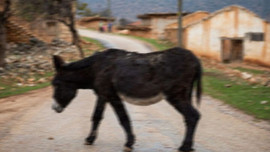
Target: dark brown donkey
[(141, 79)]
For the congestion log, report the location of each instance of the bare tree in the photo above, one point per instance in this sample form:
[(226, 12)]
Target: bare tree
[(64, 12), (59, 10), (4, 14)]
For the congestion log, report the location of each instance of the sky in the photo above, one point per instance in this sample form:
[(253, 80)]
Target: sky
[(131, 8)]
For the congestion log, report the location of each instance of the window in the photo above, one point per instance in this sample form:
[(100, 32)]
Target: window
[(255, 36)]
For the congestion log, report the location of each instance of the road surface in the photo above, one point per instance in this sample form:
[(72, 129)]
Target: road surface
[(28, 124)]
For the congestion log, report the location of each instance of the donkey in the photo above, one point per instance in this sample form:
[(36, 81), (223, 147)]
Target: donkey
[(141, 79)]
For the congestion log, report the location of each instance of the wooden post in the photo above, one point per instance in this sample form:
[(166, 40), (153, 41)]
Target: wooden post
[(109, 8), (180, 29)]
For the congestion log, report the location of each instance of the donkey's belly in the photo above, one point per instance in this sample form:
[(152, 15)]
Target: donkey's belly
[(142, 101)]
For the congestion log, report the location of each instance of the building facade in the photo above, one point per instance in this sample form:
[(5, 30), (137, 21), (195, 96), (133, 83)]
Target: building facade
[(171, 31), (158, 22), (230, 34)]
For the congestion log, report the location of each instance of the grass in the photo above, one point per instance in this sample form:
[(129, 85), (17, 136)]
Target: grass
[(93, 41), (237, 93), (10, 91), (252, 71), (10, 87)]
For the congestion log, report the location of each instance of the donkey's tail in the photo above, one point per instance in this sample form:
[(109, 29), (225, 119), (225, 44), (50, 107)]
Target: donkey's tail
[(199, 85)]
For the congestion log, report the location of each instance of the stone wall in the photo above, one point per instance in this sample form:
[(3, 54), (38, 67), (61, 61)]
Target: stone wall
[(16, 33), (20, 31)]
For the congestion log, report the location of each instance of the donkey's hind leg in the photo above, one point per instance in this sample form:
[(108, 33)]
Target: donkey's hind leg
[(96, 118), (120, 110), (191, 117)]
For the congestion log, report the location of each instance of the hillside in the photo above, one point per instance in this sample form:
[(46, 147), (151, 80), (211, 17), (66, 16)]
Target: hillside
[(130, 9)]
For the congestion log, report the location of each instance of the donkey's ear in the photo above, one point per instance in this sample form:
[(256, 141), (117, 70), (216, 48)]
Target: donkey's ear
[(58, 62)]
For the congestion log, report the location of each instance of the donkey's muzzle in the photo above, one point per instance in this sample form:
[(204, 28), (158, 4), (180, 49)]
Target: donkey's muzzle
[(57, 107)]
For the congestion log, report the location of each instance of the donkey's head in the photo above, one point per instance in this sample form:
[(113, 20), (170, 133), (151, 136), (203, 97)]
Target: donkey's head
[(64, 89)]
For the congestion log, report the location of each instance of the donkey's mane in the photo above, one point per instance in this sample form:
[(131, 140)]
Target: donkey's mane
[(88, 61), (81, 64)]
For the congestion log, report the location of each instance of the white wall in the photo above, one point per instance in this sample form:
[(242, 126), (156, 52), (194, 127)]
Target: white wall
[(205, 36), (159, 24)]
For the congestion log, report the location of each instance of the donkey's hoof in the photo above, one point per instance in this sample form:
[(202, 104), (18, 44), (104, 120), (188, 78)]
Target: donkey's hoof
[(127, 149), (90, 140), (187, 151), (88, 143)]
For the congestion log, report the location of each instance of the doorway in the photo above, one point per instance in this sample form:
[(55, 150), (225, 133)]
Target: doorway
[(232, 50)]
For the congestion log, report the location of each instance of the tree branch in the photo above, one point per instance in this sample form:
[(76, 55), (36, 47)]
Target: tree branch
[(62, 21), (6, 11)]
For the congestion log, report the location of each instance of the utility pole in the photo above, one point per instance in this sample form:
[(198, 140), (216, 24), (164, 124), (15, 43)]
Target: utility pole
[(180, 29), (109, 8)]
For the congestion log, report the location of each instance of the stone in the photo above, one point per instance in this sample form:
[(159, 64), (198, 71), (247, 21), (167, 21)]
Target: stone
[(246, 75), (228, 85), (59, 42), (25, 61), (41, 80), (2, 70), (31, 85), (264, 102), (19, 84), (58, 52), (31, 80), (35, 41), (20, 79), (267, 83), (253, 80)]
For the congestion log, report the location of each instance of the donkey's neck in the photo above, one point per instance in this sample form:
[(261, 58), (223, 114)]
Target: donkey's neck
[(79, 65), (80, 73)]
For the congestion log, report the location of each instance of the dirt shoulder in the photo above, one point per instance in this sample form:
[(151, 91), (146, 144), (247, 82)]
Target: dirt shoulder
[(15, 107)]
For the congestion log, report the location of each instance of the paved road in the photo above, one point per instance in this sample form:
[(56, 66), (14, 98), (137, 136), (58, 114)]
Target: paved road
[(27, 123), (113, 41)]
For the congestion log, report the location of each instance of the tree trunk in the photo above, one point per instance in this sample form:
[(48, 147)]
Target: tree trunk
[(3, 18), (76, 39), (3, 47)]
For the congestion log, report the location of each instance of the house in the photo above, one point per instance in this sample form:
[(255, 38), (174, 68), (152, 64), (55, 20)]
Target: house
[(158, 22), (136, 30), (137, 23), (231, 34), (93, 22), (171, 30), (152, 25)]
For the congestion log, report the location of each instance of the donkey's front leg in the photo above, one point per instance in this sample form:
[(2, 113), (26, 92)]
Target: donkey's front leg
[(120, 110), (96, 118)]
